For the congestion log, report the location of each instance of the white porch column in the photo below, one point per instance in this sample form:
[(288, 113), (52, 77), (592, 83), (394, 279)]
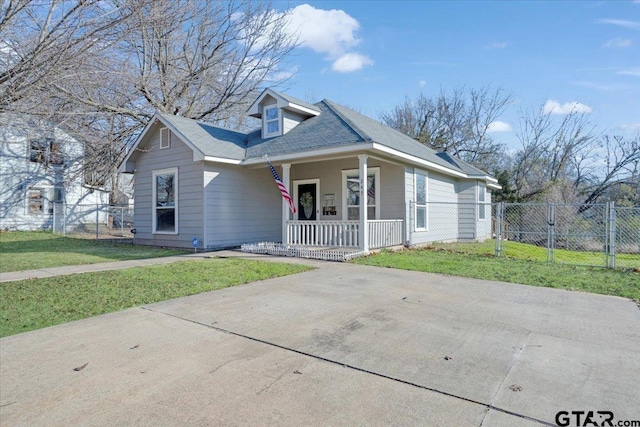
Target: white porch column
[(286, 167), (364, 228)]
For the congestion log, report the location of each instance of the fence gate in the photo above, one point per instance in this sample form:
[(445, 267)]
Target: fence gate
[(581, 232), (625, 230)]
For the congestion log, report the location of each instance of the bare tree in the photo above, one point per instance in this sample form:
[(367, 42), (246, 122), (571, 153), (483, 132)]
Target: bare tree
[(102, 68), (202, 60), (457, 123), (41, 41), (615, 163), (485, 107), (550, 153)]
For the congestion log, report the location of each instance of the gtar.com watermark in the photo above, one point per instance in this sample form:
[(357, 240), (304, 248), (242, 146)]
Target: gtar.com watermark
[(592, 419)]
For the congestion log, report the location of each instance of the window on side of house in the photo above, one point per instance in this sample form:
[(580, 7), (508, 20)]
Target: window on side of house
[(351, 199), (165, 201), (45, 151), (421, 211), (35, 201), (481, 201), (271, 121)]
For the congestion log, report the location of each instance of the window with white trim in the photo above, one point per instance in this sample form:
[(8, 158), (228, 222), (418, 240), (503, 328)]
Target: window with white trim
[(420, 190), (481, 202), (165, 201), (351, 194), (271, 121)]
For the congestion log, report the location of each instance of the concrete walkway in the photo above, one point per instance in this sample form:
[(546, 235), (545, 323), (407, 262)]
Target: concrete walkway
[(339, 345), (40, 273)]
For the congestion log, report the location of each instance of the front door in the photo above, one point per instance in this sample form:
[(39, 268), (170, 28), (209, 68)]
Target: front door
[(307, 201)]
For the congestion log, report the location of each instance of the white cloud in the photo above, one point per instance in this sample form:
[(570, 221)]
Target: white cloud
[(498, 45), (618, 42), (635, 127), (633, 25), (630, 72), (325, 31), (350, 62), (330, 32), (554, 107), (499, 126), (422, 83)]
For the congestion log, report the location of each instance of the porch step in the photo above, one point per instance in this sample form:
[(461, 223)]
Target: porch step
[(325, 253)]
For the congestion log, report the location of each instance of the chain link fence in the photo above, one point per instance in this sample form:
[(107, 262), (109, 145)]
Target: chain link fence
[(598, 235), (626, 222), (93, 221), (602, 235)]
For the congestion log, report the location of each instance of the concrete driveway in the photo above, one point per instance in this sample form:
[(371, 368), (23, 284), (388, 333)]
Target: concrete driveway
[(340, 345)]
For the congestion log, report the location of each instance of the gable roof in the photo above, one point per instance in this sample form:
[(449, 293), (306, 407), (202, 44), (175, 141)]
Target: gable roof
[(335, 128)]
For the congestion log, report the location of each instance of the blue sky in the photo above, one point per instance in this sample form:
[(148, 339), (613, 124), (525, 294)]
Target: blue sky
[(369, 55)]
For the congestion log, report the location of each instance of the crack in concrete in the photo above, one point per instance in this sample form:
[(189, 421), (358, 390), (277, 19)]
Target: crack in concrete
[(225, 363), (275, 380), (511, 364), (488, 406)]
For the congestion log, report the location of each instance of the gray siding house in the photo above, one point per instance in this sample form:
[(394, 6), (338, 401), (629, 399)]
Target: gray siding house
[(355, 182)]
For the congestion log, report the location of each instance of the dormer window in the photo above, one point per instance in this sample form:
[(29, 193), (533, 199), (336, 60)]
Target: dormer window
[(271, 121), (280, 113)]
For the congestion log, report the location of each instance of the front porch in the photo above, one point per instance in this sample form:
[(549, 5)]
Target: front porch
[(353, 202), (331, 240)]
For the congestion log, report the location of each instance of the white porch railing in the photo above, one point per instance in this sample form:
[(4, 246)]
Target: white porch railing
[(385, 232), (323, 233), (382, 233)]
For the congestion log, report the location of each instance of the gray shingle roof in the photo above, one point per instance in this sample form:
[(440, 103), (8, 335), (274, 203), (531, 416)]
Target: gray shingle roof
[(209, 139), (338, 125), (335, 126), (325, 130), (464, 166), (377, 132)]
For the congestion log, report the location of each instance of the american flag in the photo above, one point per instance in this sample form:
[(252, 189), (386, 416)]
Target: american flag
[(282, 188), (371, 190)]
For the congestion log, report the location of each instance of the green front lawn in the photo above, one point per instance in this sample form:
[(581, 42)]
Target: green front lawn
[(524, 264), (37, 303), (529, 252), (26, 250)]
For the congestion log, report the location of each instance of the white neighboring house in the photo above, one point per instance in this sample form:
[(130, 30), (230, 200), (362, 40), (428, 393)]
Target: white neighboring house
[(40, 166)]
